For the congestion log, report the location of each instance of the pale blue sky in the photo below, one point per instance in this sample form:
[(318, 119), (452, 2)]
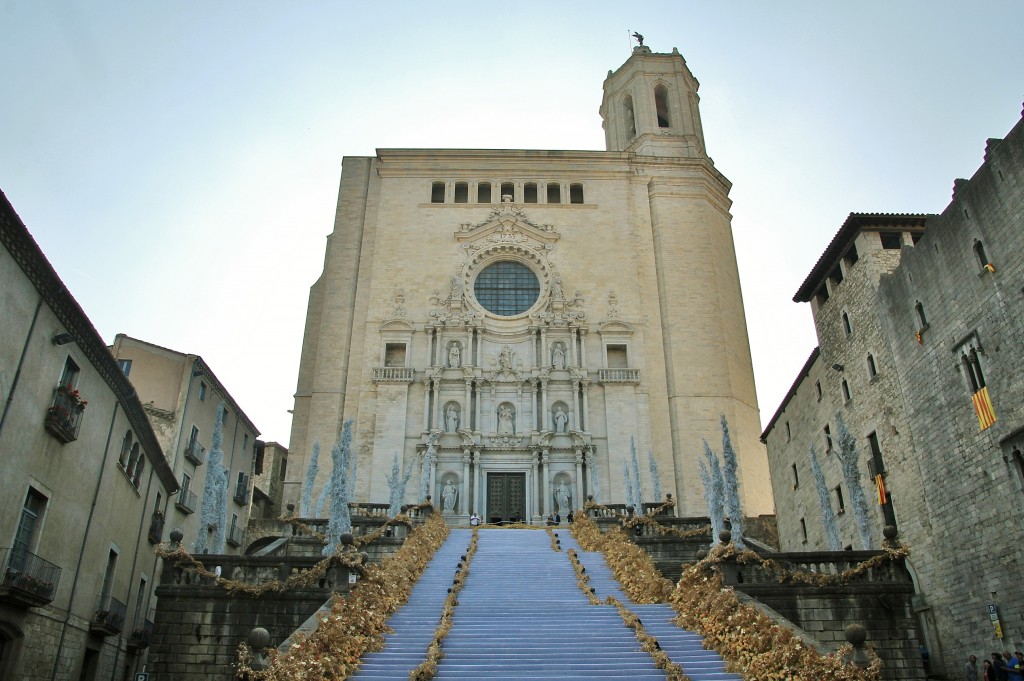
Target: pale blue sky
[(179, 162)]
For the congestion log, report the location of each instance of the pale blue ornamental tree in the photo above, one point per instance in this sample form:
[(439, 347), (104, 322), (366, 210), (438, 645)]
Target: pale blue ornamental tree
[(214, 509), (714, 491), (828, 516), (732, 486), (339, 521), (306, 498), (396, 486), (652, 465), (638, 492), (849, 457)]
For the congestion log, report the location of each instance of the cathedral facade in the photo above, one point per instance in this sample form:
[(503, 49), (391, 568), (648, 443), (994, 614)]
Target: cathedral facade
[(509, 326)]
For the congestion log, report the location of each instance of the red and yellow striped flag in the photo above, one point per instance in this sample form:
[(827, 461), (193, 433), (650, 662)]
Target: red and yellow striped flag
[(880, 484), (983, 408)]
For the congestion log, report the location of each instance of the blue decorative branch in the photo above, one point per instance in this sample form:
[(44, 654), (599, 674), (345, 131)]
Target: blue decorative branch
[(850, 459), (306, 499), (732, 486), (828, 516)]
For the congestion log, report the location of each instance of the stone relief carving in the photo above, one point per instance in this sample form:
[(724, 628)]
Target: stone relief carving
[(558, 355), (614, 314), (398, 311), (509, 367), (504, 212)]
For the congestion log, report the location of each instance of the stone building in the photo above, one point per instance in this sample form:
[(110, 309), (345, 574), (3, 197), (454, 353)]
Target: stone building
[(514, 319), (271, 467), (920, 349), (84, 488), (181, 395)]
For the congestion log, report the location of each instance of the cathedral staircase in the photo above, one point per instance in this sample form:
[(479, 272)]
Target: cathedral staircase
[(521, 615)]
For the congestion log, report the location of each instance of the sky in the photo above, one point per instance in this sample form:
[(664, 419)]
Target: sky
[(178, 163)]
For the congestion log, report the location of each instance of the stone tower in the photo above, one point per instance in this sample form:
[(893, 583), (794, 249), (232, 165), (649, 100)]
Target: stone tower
[(508, 321)]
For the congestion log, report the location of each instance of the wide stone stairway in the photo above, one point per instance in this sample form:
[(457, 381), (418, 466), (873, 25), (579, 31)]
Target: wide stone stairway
[(521, 615)]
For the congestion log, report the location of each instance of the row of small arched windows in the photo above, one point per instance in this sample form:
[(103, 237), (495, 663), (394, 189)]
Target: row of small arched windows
[(527, 192), (132, 460)]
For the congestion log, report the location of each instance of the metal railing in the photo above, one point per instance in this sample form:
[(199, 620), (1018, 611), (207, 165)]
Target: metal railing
[(235, 535), (156, 528), (195, 452), (64, 416), (26, 574), (142, 634), (111, 617), (242, 490), (186, 501)]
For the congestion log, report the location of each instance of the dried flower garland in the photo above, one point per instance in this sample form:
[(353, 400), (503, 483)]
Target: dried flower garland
[(427, 669), (357, 622), (631, 565), (582, 578), (347, 558), (673, 671), (556, 545), (630, 522), (787, 576)]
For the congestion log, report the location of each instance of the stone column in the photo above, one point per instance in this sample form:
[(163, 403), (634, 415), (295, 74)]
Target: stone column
[(546, 460), (572, 348), (533, 483), (545, 355), (585, 416), (578, 501), (426, 403), (433, 478), (467, 352), (433, 346), (464, 494), (588, 458), (583, 347), (543, 425), (476, 484), (438, 414), (533, 405), (467, 417)]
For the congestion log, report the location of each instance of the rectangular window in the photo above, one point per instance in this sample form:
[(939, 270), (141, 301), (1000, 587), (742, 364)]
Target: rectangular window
[(284, 467), (193, 437), (483, 192), (878, 465), (69, 376), (618, 357), (891, 240), (817, 390), (828, 438), (803, 530), (554, 193), (796, 477), (847, 395), (108, 580), (840, 502), (394, 354), (508, 189), (202, 391), (530, 192), (461, 192), (789, 432), (27, 536), (125, 365)]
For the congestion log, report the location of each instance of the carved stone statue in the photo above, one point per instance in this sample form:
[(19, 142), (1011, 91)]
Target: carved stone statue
[(561, 420), (562, 496), (558, 356), (556, 289), (506, 416), (454, 356), (449, 495), (505, 358), (639, 38), (451, 419)]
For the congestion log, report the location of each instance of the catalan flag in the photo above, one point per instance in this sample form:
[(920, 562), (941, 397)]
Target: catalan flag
[(983, 408), (880, 484), (990, 267)]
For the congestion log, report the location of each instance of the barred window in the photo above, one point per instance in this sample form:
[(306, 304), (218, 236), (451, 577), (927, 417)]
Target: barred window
[(507, 288)]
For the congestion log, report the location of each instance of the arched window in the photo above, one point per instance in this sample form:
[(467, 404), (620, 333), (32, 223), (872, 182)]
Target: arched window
[(508, 189), (554, 192), (921, 318), (846, 324), (483, 192), (530, 192), (972, 368), (872, 371), (576, 193), (661, 106), (437, 192), (461, 192), (140, 465), (979, 250), (133, 460), (126, 447), (630, 118)]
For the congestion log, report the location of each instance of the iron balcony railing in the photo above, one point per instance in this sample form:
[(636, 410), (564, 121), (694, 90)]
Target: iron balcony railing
[(110, 619), (235, 535), (27, 578), (64, 416), (142, 634), (156, 528), (195, 452), (242, 490), (186, 501)]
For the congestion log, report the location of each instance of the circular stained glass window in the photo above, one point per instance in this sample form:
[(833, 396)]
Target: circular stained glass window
[(506, 288)]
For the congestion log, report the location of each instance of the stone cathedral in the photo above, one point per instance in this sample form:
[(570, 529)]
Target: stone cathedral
[(508, 323)]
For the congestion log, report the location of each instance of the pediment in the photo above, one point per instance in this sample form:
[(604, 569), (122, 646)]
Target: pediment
[(507, 224)]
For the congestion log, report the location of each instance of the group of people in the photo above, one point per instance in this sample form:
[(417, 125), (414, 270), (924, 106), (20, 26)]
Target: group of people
[(1002, 667)]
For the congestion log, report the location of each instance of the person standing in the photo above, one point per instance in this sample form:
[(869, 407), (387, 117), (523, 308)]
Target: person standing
[(1013, 667), (971, 669), (999, 667)]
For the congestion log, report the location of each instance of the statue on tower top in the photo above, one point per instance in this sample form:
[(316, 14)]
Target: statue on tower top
[(639, 38)]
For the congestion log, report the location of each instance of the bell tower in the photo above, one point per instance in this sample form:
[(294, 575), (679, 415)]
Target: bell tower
[(650, 106)]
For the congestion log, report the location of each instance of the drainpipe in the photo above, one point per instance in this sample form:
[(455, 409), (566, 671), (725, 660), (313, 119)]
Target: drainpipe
[(85, 538), (21, 362), (135, 559)]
